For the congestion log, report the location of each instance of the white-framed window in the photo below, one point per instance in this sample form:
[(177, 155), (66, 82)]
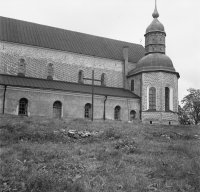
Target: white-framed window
[(151, 98)]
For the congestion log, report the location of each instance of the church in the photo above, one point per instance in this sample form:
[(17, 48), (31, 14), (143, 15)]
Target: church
[(52, 72)]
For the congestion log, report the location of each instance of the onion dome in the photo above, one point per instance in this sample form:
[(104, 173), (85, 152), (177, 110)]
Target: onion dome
[(156, 25), (155, 58)]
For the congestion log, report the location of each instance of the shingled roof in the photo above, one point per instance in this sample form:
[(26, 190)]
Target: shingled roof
[(30, 82), (16, 31)]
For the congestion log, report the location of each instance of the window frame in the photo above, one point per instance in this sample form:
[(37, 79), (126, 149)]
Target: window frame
[(132, 85), (87, 112), (152, 99), (117, 113), (167, 98), (23, 107), (81, 77)]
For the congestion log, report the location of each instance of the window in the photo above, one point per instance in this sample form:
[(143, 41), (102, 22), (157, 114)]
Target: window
[(132, 85), (167, 98), (80, 76), (152, 98), (23, 106), (21, 67), (117, 113), (50, 71), (88, 110), (132, 115), (57, 107), (103, 79)]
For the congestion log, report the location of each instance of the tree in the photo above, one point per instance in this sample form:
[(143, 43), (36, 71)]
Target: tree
[(191, 105), (183, 116)]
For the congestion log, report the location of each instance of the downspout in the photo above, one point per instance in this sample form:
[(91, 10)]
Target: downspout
[(4, 98), (104, 108), (141, 98)]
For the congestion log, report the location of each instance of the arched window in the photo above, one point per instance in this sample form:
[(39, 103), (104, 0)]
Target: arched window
[(57, 109), (80, 76), (152, 98), (23, 106), (21, 67), (88, 110), (117, 113), (103, 79), (50, 71), (132, 115), (167, 94), (132, 85)]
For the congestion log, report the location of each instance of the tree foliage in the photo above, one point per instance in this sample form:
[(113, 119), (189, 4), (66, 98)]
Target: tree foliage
[(190, 112)]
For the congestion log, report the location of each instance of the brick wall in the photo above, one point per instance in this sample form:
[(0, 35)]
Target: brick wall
[(40, 103), (160, 80), (137, 84), (66, 65)]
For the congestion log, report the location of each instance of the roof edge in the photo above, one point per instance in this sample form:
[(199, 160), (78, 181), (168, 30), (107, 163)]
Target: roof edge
[(153, 70), (89, 85)]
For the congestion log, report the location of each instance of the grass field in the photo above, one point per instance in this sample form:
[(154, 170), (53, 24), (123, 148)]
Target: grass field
[(37, 156)]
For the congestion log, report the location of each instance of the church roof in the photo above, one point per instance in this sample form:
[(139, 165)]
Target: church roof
[(30, 82), (17, 31)]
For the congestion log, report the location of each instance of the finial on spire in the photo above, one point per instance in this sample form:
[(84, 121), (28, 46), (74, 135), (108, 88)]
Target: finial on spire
[(155, 13)]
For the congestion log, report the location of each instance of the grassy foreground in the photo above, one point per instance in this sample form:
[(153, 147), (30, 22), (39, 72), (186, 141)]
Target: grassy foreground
[(36, 156)]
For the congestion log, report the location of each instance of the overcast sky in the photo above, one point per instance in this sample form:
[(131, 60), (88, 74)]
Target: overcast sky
[(124, 20)]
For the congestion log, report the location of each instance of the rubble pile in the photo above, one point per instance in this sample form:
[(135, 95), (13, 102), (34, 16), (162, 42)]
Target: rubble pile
[(80, 134)]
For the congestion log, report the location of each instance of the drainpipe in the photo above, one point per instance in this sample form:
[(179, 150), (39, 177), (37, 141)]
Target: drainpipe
[(4, 98), (141, 98), (104, 108)]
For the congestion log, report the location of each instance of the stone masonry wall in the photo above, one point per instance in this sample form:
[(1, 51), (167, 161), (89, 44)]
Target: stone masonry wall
[(40, 103), (66, 65)]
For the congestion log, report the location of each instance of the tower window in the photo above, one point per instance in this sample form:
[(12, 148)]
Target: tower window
[(152, 98), (117, 113), (132, 85), (23, 106), (88, 110), (167, 92), (50, 71), (103, 79), (21, 67), (80, 76)]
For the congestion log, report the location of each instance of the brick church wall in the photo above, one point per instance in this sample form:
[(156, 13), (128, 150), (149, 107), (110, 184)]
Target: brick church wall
[(160, 80), (66, 65), (40, 103)]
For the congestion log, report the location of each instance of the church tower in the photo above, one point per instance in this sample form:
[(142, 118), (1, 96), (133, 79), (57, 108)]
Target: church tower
[(156, 77)]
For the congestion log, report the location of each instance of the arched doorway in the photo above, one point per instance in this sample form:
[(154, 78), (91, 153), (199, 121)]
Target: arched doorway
[(57, 107), (88, 110), (132, 115), (23, 106), (117, 113)]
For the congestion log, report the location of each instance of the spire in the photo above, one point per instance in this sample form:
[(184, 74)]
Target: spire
[(155, 13)]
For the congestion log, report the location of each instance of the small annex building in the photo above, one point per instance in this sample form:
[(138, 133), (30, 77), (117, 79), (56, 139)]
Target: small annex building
[(45, 71)]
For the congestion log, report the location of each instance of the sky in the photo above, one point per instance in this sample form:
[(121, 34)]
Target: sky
[(124, 20)]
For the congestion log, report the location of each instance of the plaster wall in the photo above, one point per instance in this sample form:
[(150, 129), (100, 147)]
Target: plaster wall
[(40, 103)]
